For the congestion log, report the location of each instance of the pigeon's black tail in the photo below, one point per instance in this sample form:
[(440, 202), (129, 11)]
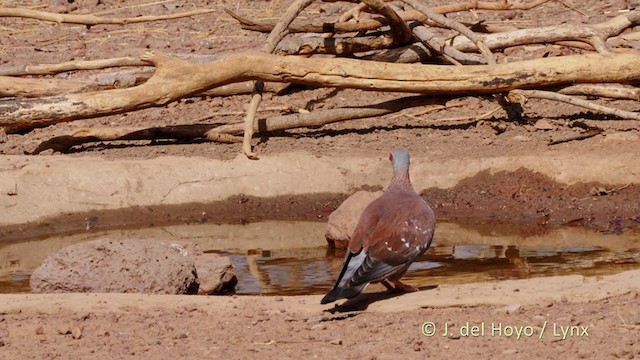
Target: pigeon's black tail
[(341, 290), (338, 293), (331, 296)]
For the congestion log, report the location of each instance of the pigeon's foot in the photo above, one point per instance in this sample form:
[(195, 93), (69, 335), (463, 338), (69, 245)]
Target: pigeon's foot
[(403, 287), (389, 287)]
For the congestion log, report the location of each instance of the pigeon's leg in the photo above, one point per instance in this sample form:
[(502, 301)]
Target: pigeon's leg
[(388, 286), (404, 287)]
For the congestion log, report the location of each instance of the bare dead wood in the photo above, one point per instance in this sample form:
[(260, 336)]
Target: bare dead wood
[(324, 117), (10, 86), (522, 95), (587, 37), (454, 25), (89, 19), (403, 55), (353, 13), (175, 79), (225, 133), (50, 69), (83, 136), (372, 24), (399, 30), (33, 88), (580, 136), (335, 46), (277, 34), (594, 34), (613, 91), (454, 56)]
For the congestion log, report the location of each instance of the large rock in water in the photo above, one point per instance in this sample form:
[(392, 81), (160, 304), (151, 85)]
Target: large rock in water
[(342, 222), (123, 266), (216, 274)]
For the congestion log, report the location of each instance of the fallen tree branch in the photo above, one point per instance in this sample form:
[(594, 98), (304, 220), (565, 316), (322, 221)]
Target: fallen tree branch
[(277, 34), (452, 54), (176, 78), (587, 37), (399, 29), (33, 88), (453, 25), (88, 19), (413, 53), (335, 46), (372, 24), (224, 133), (83, 136), (613, 91), (522, 95), (594, 34), (50, 69)]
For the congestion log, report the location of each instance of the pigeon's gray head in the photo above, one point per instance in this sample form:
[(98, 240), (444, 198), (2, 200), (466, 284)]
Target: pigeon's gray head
[(400, 161)]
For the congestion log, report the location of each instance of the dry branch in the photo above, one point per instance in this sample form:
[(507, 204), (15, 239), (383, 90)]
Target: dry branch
[(83, 136), (403, 55), (277, 34), (224, 133), (613, 91), (399, 29), (372, 24), (454, 56), (588, 37), (50, 69), (88, 19), (453, 25), (550, 34), (548, 95), (335, 46), (175, 79), (10, 86)]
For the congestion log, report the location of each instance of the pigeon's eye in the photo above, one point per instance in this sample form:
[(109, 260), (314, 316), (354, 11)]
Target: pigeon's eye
[(390, 157)]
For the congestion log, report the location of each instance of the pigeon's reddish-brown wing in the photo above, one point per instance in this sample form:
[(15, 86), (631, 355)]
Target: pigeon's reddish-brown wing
[(403, 232)]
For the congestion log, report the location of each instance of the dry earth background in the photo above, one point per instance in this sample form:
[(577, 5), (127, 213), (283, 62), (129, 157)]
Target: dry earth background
[(539, 184)]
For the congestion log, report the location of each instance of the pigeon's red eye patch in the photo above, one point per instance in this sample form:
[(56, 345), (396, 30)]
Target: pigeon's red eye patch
[(391, 156)]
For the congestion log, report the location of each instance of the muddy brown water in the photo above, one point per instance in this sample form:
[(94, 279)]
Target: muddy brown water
[(292, 257)]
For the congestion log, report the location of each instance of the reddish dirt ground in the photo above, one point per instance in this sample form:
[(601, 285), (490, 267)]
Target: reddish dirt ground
[(521, 196)]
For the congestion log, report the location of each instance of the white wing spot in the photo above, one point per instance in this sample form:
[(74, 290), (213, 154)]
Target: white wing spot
[(418, 248), (403, 239), (389, 248), (406, 245)]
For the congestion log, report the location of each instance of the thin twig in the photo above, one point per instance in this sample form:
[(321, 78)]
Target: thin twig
[(613, 91), (522, 95), (276, 35), (429, 110), (479, 117)]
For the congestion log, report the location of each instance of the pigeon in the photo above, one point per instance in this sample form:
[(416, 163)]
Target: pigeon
[(391, 233)]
